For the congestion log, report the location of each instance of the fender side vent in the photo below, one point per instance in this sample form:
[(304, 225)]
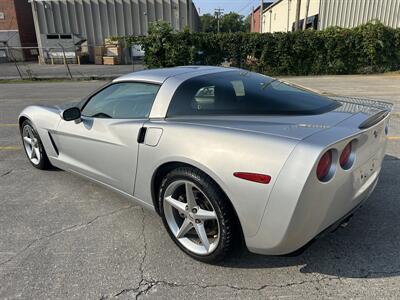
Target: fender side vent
[(53, 143)]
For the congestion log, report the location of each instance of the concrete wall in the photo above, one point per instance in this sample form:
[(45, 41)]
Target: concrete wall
[(96, 20), (351, 13), (280, 16)]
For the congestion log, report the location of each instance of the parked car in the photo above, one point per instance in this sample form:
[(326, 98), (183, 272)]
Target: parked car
[(220, 154)]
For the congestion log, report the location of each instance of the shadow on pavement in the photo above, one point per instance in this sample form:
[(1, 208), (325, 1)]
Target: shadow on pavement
[(368, 247)]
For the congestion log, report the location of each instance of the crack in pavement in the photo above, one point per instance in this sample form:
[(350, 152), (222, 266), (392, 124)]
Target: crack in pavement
[(76, 226), (6, 173), (145, 286)]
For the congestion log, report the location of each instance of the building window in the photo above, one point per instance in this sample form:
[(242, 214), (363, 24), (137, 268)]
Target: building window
[(65, 36), (1, 15), (312, 22)]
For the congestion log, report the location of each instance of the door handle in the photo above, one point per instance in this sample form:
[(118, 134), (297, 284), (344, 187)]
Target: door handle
[(141, 135)]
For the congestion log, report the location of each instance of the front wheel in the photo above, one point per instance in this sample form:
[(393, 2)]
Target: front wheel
[(33, 146), (197, 214)]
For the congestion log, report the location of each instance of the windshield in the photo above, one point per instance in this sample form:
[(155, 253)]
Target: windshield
[(244, 93)]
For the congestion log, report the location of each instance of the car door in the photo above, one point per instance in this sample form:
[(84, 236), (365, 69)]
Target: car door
[(103, 144)]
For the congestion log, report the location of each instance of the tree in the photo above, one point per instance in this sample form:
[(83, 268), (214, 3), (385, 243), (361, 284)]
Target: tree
[(208, 23), (230, 22), (247, 24)]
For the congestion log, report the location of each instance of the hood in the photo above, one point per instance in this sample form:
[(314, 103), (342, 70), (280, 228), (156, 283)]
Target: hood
[(66, 105)]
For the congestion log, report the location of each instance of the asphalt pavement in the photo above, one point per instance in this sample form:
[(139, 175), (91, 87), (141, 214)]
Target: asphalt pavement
[(62, 236)]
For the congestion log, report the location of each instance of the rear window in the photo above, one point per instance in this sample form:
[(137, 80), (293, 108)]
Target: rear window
[(244, 93)]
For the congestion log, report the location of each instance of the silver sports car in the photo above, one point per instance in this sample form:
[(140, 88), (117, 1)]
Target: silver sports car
[(222, 155)]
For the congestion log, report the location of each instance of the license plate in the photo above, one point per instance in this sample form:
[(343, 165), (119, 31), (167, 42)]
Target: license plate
[(363, 173)]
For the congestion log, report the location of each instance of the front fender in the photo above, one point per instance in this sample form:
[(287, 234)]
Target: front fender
[(44, 119)]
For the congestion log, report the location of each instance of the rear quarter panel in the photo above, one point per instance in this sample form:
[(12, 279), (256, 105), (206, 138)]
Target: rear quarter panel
[(300, 206), (219, 153)]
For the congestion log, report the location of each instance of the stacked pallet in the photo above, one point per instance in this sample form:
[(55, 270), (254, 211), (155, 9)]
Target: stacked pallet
[(99, 52), (113, 52)]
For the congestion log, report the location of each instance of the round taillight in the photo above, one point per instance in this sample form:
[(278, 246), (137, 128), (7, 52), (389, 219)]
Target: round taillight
[(345, 156), (324, 165)]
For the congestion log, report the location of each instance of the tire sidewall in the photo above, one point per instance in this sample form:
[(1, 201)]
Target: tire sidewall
[(43, 157), (214, 196)]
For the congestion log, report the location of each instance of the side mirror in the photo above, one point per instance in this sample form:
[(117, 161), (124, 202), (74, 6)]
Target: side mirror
[(72, 113)]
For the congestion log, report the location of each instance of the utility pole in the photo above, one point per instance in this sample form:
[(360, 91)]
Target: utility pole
[(252, 20), (306, 14), (297, 22), (288, 15), (261, 15), (218, 13)]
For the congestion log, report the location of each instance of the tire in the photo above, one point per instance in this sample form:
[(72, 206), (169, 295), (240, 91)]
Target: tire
[(213, 212), (28, 131)]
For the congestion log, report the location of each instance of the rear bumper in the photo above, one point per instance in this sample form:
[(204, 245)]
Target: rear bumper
[(295, 240)]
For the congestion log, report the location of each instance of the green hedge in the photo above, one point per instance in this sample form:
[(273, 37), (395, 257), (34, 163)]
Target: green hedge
[(365, 49)]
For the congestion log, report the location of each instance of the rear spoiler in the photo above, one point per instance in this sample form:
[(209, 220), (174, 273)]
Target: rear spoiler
[(374, 119), (376, 109)]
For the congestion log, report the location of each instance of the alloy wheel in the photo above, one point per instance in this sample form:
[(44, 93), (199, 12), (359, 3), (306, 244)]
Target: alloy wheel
[(31, 145), (191, 217)]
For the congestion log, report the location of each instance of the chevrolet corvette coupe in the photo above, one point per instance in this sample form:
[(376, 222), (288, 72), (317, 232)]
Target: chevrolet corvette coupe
[(223, 155)]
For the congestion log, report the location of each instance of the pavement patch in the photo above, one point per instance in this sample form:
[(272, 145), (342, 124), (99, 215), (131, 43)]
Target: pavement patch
[(8, 124), (10, 148)]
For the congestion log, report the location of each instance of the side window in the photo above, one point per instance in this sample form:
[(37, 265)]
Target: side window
[(204, 98), (125, 100)]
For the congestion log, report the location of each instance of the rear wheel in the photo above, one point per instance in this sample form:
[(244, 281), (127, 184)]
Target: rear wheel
[(33, 146), (196, 214)]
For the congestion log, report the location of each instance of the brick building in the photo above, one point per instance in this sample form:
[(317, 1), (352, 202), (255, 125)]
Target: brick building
[(255, 17), (17, 31)]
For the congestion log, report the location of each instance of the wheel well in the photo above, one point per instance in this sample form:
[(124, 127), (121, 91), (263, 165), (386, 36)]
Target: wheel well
[(158, 176), (21, 120), (164, 169)]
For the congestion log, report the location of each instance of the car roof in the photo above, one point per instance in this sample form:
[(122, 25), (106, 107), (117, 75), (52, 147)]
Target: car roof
[(160, 75)]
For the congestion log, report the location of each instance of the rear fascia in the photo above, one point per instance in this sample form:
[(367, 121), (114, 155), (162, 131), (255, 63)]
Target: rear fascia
[(300, 206)]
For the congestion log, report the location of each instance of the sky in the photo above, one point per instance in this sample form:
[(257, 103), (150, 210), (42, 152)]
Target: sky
[(242, 7)]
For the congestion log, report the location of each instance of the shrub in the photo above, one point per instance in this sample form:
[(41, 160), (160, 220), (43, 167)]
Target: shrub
[(372, 47)]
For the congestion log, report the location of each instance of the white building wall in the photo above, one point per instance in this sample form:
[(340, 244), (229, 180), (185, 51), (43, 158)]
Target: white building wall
[(351, 13), (281, 16), (343, 13)]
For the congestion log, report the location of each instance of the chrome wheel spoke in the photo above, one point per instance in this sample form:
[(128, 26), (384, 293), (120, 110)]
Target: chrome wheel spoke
[(201, 232), (205, 215), (28, 140), (190, 195), (190, 214), (185, 228), (37, 152), (32, 154), (180, 206)]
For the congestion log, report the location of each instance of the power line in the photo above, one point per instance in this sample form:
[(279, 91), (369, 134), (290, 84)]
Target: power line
[(247, 5)]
